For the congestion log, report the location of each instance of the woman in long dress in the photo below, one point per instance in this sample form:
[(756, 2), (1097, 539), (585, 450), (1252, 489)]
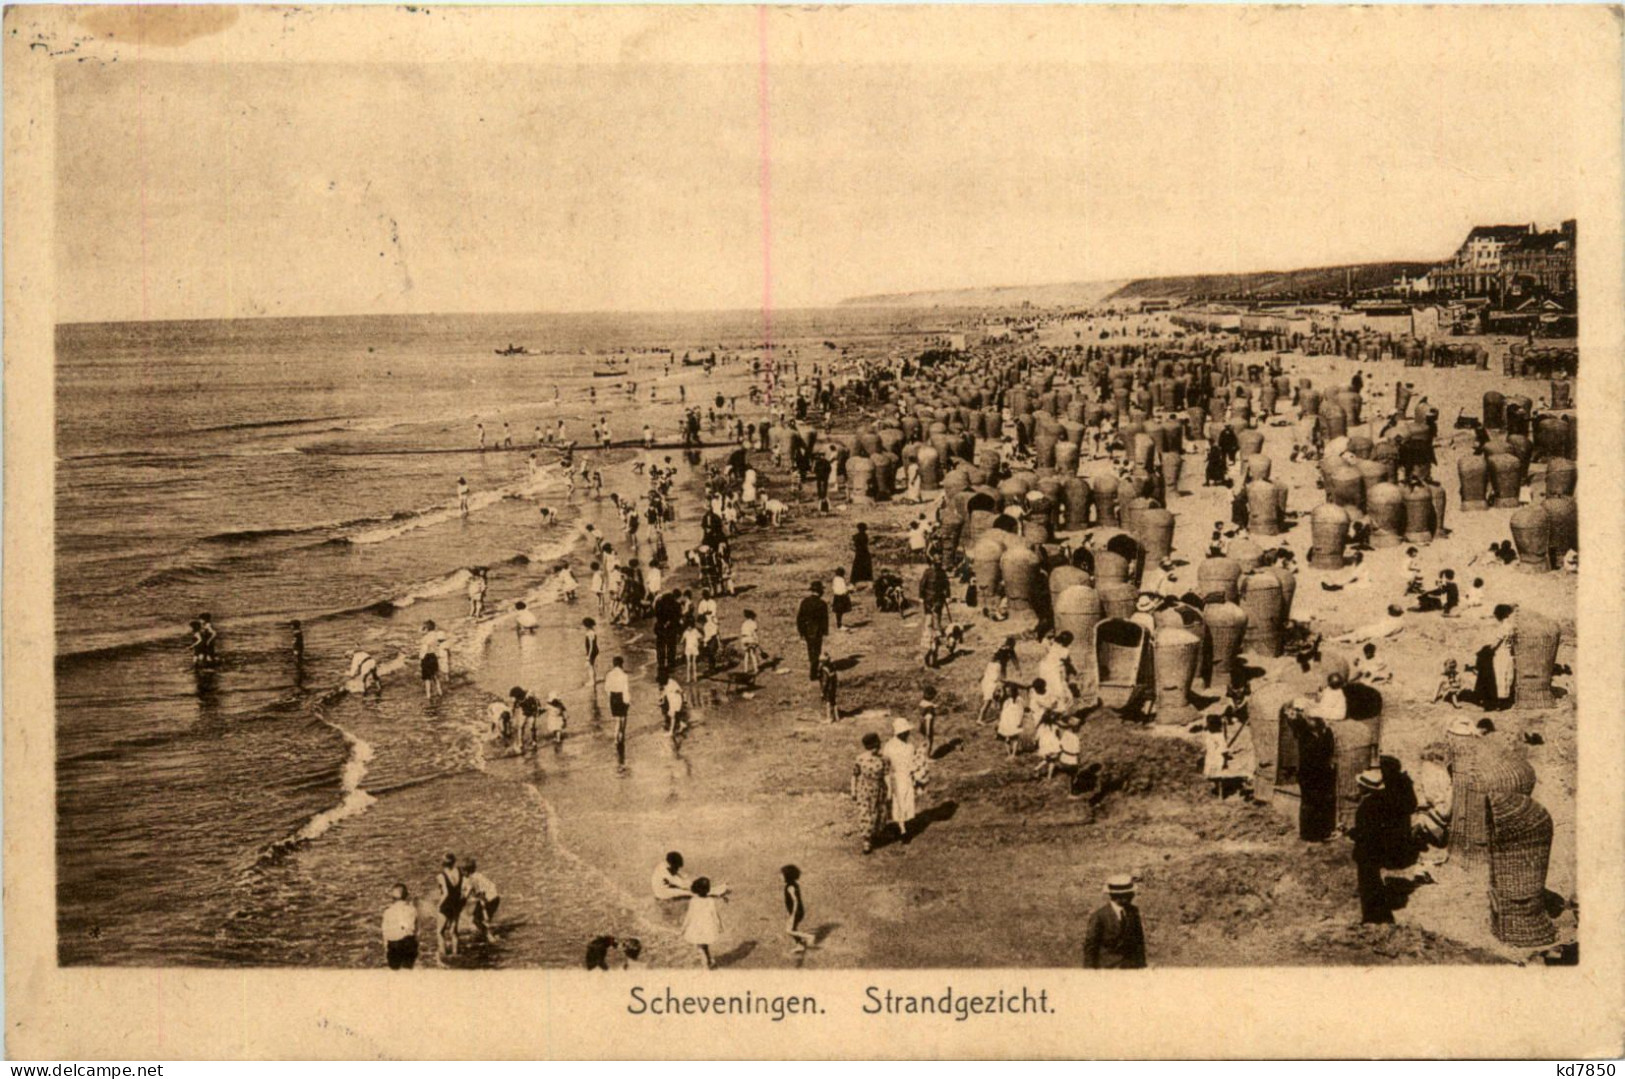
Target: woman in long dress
[(912, 492), (868, 790), (905, 771), (863, 569), (1317, 774), (1492, 688)]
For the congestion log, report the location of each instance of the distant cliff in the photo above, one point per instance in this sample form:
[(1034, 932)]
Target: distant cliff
[(1071, 294), (1285, 284), (1319, 281)]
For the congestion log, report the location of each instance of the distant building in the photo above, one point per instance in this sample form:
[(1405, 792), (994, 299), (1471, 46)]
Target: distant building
[(1541, 264), (1420, 285), (1475, 270), (1156, 305)]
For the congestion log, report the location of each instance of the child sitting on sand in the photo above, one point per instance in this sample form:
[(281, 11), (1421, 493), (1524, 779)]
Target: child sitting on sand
[(1450, 688), (1413, 571)]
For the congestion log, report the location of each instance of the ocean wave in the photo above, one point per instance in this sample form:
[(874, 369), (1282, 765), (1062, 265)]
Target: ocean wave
[(255, 425), (186, 573), (547, 479), (397, 523), (353, 799), (548, 591), (251, 535), (450, 584)]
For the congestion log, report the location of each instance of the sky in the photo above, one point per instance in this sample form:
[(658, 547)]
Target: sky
[(192, 190)]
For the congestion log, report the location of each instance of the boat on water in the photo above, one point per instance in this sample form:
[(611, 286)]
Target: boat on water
[(512, 350)]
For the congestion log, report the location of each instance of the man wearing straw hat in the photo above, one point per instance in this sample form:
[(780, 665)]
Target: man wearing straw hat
[(1369, 835), (1115, 937)]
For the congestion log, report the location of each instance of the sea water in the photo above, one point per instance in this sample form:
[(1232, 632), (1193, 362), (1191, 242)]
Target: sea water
[(270, 470)]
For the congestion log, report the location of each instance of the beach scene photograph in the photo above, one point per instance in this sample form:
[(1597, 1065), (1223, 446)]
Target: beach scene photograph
[(745, 510)]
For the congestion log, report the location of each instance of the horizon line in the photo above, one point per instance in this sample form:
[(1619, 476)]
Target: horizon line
[(846, 301)]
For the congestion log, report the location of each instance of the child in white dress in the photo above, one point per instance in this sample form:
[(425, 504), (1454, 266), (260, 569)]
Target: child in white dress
[(702, 925)]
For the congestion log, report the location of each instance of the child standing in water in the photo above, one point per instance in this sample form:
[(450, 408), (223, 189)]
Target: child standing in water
[(796, 909), (589, 643), (449, 910), (429, 659), (555, 719), (462, 487), (691, 650)]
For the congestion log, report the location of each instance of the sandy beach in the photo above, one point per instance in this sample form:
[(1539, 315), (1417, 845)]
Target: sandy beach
[(1004, 867)]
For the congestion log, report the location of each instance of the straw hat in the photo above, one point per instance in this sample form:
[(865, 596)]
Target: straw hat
[(1371, 780), (1146, 602), (1120, 885), (1463, 727), (901, 726)]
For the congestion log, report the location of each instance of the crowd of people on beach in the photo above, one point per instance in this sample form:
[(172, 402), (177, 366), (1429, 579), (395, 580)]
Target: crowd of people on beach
[(786, 460)]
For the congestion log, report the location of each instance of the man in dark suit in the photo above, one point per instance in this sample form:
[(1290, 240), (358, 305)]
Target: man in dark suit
[(668, 633), (934, 591), (812, 623), (1115, 939)]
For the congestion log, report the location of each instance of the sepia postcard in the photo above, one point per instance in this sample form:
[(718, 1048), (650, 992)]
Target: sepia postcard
[(813, 532)]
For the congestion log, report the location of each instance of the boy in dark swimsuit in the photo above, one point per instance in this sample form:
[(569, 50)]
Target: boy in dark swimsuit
[(795, 910), (450, 908)]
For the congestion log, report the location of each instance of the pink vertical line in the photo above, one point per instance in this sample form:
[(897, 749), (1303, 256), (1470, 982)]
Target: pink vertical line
[(765, 185), (141, 147)]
